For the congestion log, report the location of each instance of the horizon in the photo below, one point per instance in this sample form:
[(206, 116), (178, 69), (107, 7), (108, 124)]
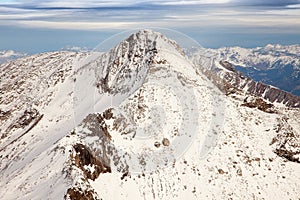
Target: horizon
[(40, 26)]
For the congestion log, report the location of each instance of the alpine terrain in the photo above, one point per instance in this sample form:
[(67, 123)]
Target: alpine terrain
[(144, 120), (276, 65)]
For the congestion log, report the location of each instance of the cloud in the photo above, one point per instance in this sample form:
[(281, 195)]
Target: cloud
[(76, 25), (191, 2), (265, 2), (126, 3), (81, 4), (106, 4), (294, 6), (115, 14)]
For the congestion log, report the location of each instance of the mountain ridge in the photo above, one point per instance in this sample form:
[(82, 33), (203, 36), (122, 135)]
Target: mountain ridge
[(259, 89), (275, 65)]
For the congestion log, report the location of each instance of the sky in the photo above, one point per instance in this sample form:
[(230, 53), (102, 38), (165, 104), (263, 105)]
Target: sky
[(34, 26)]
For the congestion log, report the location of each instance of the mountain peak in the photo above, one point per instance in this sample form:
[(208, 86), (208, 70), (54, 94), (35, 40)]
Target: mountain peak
[(127, 64), (152, 39), (148, 32)]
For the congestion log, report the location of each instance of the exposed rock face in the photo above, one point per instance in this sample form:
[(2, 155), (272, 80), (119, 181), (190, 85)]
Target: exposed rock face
[(29, 117), (27, 121), (222, 84), (259, 104), (88, 160), (84, 158), (259, 89), (284, 152), (286, 142), (127, 62), (78, 194), (228, 66)]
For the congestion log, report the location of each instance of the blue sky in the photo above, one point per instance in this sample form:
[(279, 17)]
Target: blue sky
[(35, 26)]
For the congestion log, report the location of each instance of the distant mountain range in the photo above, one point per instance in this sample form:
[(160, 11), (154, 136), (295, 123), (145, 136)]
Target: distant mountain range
[(6, 55), (275, 65)]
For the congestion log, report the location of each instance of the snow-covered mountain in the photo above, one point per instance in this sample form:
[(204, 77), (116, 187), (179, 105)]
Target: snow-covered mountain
[(75, 48), (276, 65), (141, 121), (7, 55), (262, 58)]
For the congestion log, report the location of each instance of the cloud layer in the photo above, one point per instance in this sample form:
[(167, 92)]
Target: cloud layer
[(111, 3), (92, 14)]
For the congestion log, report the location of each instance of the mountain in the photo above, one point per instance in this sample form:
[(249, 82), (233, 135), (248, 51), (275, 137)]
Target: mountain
[(275, 65), (141, 121), (6, 55), (75, 48)]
